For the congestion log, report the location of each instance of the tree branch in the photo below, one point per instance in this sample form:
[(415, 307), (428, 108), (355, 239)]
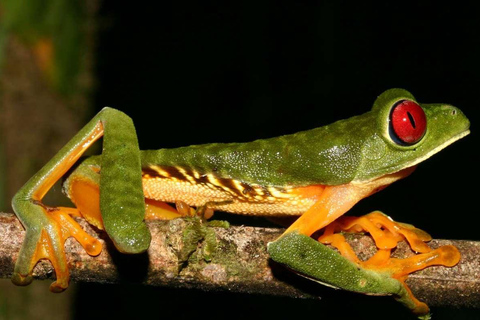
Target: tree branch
[(239, 263)]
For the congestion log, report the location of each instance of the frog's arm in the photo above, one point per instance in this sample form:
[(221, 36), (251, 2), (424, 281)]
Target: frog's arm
[(47, 228), (381, 274), (317, 262)]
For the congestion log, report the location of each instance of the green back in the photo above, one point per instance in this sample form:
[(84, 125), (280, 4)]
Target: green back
[(355, 149), (319, 155)]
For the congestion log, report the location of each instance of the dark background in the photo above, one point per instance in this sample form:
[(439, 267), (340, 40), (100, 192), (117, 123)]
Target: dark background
[(190, 73)]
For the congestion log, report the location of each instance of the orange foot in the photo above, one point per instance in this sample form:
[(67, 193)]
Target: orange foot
[(386, 233), (48, 243)]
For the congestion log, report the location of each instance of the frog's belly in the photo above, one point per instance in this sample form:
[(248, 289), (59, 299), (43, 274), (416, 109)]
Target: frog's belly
[(227, 195)]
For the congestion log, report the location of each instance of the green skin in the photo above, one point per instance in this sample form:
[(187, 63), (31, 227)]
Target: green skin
[(353, 150), (329, 155)]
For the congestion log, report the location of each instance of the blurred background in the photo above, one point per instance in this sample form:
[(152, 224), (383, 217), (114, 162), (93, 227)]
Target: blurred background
[(190, 73)]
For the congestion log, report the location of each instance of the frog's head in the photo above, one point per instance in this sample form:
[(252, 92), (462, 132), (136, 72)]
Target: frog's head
[(406, 133)]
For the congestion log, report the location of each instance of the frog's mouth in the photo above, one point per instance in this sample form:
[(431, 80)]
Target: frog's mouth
[(439, 148)]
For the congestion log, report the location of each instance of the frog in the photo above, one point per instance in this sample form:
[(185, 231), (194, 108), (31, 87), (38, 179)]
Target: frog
[(314, 176)]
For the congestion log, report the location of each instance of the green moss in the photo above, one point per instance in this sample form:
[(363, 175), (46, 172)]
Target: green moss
[(201, 247), (199, 240), (219, 224)]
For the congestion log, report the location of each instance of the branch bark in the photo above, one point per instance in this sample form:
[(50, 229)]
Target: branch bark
[(239, 263)]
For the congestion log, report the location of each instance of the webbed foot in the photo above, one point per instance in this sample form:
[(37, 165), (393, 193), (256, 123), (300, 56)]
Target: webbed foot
[(387, 233), (46, 240), (379, 275)]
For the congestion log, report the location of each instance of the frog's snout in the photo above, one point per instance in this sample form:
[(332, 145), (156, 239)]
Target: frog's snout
[(458, 116), (453, 117)]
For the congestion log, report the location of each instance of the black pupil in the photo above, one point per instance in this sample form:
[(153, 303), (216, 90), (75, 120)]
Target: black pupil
[(412, 120)]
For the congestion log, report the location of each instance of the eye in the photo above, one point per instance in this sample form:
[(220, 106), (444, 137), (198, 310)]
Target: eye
[(408, 122)]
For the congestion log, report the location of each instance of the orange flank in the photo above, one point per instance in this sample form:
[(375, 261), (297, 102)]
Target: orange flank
[(312, 192), (224, 194)]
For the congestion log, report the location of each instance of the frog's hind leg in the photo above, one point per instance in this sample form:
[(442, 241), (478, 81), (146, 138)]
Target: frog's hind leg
[(47, 228), (158, 210), (83, 187)]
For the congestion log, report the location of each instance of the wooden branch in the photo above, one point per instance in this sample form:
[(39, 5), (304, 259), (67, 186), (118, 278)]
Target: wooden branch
[(240, 263)]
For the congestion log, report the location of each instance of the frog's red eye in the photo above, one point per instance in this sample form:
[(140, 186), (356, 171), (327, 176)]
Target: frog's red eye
[(408, 122)]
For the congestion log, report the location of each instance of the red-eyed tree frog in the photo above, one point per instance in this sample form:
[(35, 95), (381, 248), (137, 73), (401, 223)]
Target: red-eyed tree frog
[(317, 175)]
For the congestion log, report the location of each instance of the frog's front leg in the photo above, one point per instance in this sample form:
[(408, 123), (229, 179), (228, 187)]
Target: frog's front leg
[(47, 228), (387, 233), (381, 275)]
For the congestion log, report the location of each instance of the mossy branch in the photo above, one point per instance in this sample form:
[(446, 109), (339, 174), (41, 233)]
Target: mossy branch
[(238, 263)]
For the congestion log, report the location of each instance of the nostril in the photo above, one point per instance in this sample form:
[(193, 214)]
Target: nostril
[(454, 112)]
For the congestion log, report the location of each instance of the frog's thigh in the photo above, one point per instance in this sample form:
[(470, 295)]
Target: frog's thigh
[(84, 191), (158, 210)]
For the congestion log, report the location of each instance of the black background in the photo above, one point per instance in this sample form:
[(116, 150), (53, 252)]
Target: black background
[(190, 73)]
